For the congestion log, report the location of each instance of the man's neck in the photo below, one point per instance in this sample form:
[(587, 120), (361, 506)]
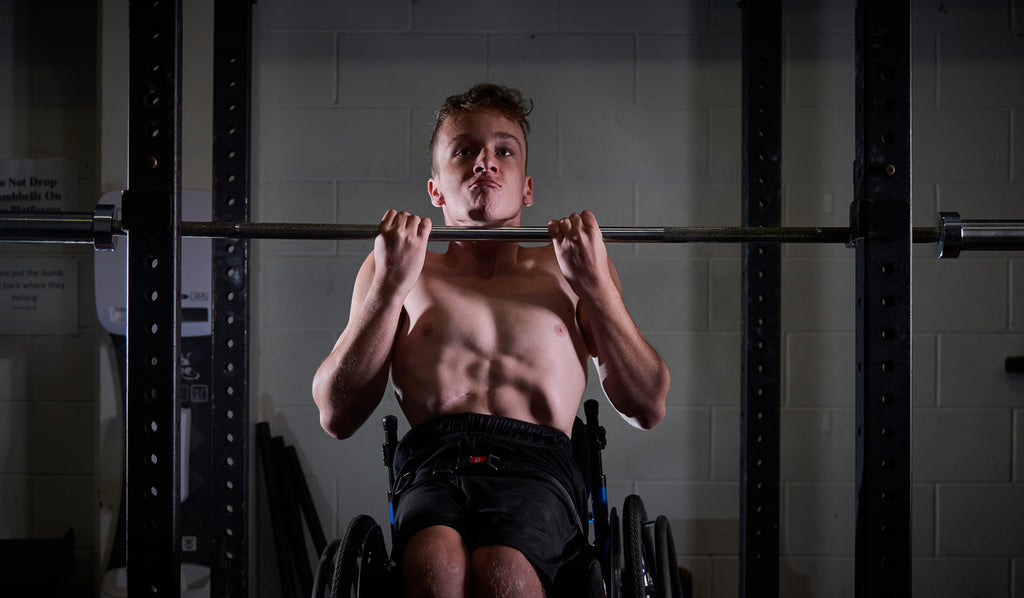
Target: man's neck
[(485, 259)]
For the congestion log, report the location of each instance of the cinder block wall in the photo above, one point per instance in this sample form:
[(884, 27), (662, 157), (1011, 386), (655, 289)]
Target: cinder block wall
[(638, 119), (48, 381)]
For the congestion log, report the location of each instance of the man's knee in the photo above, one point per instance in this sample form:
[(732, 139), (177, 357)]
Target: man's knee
[(435, 563), (502, 571)]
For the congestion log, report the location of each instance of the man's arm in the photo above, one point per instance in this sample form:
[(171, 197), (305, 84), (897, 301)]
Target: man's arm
[(350, 382), (633, 375)]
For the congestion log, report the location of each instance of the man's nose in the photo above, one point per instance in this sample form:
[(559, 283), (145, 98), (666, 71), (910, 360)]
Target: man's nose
[(485, 161)]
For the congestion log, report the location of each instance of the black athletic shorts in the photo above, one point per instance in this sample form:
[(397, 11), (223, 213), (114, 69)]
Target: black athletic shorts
[(495, 480)]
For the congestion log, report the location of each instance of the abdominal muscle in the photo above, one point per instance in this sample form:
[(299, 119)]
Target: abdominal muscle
[(507, 347)]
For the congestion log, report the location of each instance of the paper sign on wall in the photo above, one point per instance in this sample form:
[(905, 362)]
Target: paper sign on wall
[(38, 295), (43, 185)]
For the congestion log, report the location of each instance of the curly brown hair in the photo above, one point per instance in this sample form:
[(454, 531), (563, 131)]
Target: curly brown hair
[(484, 96)]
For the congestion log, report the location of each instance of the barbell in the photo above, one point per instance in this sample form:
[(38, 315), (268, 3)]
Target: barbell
[(951, 235)]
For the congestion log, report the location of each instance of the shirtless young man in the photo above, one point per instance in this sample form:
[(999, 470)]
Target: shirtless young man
[(487, 348)]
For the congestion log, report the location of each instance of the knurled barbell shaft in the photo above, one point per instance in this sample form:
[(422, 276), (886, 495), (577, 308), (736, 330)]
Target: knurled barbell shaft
[(950, 235)]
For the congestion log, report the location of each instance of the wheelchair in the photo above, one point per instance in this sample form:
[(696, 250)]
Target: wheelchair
[(633, 557)]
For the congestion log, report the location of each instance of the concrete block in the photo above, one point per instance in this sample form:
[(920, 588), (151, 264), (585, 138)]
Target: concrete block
[(973, 519), (16, 510), (73, 356), (688, 204), (15, 70), (960, 577), (725, 444), (923, 523), (1017, 566), (809, 148), (60, 502), (725, 140), (297, 69), (925, 364), (296, 201), (819, 295), (642, 16), (407, 70), (962, 445), (724, 311), (285, 366), (1018, 443), (978, 305), (52, 435), (529, 15), (953, 145), (366, 203), (574, 71), (924, 64), (1017, 296), (810, 577), (817, 444), (14, 367), (980, 201), (665, 295), (818, 70), (823, 203), (310, 144), (725, 576), (961, 16), (703, 516), (705, 367), (972, 370), (980, 69), (688, 70), (647, 145), (314, 292), (65, 73), (316, 15), (1017, 139), (678, 449), (819, 520), (612, 203), (819, 370)]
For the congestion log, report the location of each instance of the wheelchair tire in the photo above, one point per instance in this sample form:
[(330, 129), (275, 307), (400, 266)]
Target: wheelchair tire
[(667, 583), (614, 581), (361, 563), (320, 581), (634, 578)]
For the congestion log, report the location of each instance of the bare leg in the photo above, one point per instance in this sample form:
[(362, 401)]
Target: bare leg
[(503, 572), (435, 564)]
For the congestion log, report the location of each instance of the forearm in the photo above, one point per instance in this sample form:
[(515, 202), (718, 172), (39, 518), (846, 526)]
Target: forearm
[(633, 375), (350, 383)]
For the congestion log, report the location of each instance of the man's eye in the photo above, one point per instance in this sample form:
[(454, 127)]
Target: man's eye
[(504, 152), (462, 152)]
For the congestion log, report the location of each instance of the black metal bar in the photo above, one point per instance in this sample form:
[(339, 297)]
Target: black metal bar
[(289, 511), (881, 219), (232, 76), (272, 481), (99, 227), (305, 498), (152, 210), (762, 300)]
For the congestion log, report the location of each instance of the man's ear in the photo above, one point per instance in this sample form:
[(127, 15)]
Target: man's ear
[(436, 198), (528, 192)]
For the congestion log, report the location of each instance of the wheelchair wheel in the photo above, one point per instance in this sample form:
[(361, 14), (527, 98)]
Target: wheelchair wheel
[(635, 577), (323, 575), (361, 563), (614, 581), (666, 583)]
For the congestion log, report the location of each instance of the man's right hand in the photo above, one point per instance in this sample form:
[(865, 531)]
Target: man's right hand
[(399, 250)]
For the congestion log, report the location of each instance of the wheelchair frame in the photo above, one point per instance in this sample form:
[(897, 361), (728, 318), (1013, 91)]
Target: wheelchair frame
[(644, 565)]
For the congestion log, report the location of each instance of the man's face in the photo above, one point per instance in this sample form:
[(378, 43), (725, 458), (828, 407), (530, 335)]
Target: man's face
[(480, 170)]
